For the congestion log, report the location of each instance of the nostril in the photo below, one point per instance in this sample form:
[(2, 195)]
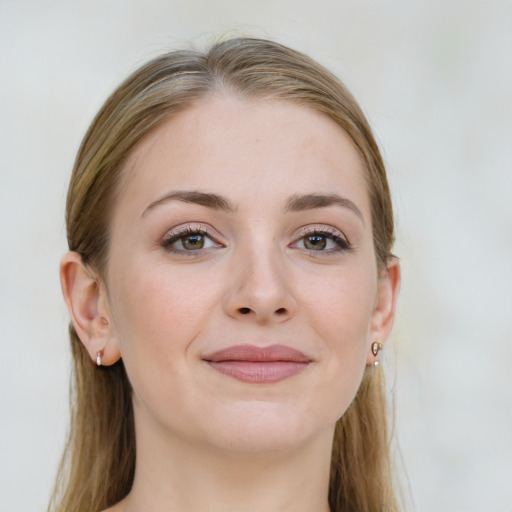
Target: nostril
[(245, 311), (281, 311)]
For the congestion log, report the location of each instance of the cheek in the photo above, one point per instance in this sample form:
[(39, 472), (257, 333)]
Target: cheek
[(159, 311), (344, 307), (157, 316), (342, 320)]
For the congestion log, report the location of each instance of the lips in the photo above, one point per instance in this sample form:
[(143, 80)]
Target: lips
[(249, 363)]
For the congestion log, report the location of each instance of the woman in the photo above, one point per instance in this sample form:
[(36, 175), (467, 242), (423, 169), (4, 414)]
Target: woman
[(230, 284)]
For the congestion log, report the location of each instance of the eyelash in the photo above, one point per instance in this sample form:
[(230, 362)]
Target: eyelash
[(184, 232), (342, 244)]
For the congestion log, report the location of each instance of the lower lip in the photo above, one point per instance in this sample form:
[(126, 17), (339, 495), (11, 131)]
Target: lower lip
[(257, 371)]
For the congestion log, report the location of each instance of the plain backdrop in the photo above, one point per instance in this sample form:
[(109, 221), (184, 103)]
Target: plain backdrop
[(435, 79)]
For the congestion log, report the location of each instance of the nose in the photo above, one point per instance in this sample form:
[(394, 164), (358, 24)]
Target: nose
[(258, 290)]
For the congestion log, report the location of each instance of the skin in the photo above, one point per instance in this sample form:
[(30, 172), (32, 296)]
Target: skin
[(203, 437)]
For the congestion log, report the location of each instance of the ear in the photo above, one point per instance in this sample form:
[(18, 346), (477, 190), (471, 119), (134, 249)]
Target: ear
[(86, 300), (385, 305)]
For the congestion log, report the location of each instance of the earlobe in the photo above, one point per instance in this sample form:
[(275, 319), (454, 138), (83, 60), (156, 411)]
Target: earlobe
[(385, 306), (87, 304)]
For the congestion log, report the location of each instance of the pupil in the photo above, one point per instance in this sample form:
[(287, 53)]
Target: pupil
[(193, 242), (315, 242)]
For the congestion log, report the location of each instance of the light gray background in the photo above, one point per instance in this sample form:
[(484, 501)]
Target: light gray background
[(435, 79)]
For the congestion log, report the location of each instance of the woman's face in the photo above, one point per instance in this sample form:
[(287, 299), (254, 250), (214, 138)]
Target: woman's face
[(242, 282)]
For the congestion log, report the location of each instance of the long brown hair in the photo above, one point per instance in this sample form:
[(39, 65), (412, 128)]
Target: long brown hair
[(98, 465)]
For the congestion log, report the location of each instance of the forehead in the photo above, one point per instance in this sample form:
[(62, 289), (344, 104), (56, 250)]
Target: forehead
[(244, 149)]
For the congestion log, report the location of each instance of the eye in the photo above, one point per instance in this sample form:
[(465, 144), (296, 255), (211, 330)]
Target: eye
[(189, 240), (322, 240)]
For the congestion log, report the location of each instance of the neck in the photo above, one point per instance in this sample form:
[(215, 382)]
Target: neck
[(176, 475)]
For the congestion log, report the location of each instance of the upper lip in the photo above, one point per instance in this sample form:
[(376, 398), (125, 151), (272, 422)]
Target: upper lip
[(253, 353)]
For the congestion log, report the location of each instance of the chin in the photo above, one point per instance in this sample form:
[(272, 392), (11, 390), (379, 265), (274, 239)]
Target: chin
[(262, 427)]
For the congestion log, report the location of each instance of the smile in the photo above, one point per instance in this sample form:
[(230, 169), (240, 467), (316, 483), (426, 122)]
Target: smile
[(258, 365)]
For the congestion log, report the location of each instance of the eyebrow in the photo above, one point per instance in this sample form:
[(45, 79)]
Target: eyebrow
[(296, 203), (301, 203), (213, 201)]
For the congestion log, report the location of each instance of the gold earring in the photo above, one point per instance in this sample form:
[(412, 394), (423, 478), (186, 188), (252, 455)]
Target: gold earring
[(376, 347)]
